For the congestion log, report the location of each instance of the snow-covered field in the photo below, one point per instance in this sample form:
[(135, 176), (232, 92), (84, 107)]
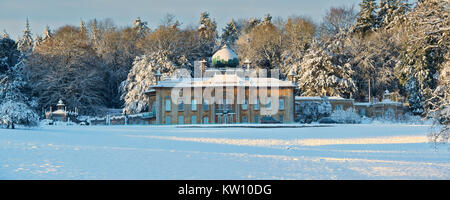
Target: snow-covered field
[(366, 151)]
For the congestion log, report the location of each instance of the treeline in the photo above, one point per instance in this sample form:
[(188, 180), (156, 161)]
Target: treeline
[(390, 45)]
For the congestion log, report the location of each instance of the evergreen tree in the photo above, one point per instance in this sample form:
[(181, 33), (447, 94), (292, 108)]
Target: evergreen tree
[(15, 106), (4, 35), (47, 34), (208, 35), (25, 44), (391, 11), (366, 19), (320, 75), (142, 77), (9, 54), (416, 98), (141, 27), (251, 23), (229, 34)]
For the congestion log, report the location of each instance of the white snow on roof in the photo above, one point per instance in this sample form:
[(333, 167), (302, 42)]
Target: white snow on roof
[(362, 104), (320, 98), (224, 80), (308, 98), (59, 112)]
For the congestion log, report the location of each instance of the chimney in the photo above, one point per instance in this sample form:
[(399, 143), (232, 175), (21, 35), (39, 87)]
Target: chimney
[(203, 66), (291, 76), (247, 63)]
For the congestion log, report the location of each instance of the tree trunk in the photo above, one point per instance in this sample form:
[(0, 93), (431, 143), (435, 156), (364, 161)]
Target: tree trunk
[(12, 125)]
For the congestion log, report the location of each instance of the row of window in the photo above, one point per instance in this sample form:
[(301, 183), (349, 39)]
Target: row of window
[(168, 120), (205, 105), (222, 119)]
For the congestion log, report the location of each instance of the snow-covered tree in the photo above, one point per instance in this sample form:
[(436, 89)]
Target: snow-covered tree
[(5, 35), (15, 106), (141, 27), (207, 31), (298, 35), (47, 34), (229, 34), (348, 116), (142, 77), (67, 67), (25, 44), (416, 98), (9, 55), (391, 12), (366, 19), (262, 45), (13, 112), (311, 111), (337, 19), (320, 74), (424, 45), (251, 23), (440, 106)]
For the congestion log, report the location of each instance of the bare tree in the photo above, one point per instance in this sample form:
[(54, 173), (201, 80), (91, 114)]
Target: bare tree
[(337, 19)]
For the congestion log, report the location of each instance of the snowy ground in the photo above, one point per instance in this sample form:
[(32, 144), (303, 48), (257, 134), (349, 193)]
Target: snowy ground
[(370, 151)]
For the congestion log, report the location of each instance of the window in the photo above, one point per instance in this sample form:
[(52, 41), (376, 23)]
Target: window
[(168, 106), (362, 112), (168, 120), (194, 105), (256, 119), (205, 120), (281, 118), (205, 105), (256, 105), (181, 106), (281, 104), (181, 119), (193, 119), (244, 105), (153, 110), (244, 119), (339, 107)]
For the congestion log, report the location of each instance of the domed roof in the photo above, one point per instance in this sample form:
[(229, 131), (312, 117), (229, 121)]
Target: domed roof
[(225, 57)]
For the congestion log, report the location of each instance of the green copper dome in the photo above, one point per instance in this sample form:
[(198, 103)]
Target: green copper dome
[(225, 57)]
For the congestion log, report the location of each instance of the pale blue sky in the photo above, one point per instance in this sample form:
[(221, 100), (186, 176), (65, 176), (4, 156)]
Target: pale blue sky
[(56, 13)]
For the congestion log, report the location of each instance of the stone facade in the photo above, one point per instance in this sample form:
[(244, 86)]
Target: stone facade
[(163, 110)]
